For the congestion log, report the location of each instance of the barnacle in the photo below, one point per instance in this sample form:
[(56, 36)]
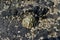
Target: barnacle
[(27, 22)]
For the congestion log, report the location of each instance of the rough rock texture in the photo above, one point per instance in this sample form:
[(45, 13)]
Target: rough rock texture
[(13, 12)]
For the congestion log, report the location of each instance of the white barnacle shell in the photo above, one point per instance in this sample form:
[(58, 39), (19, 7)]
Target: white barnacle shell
[(28, 21)]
